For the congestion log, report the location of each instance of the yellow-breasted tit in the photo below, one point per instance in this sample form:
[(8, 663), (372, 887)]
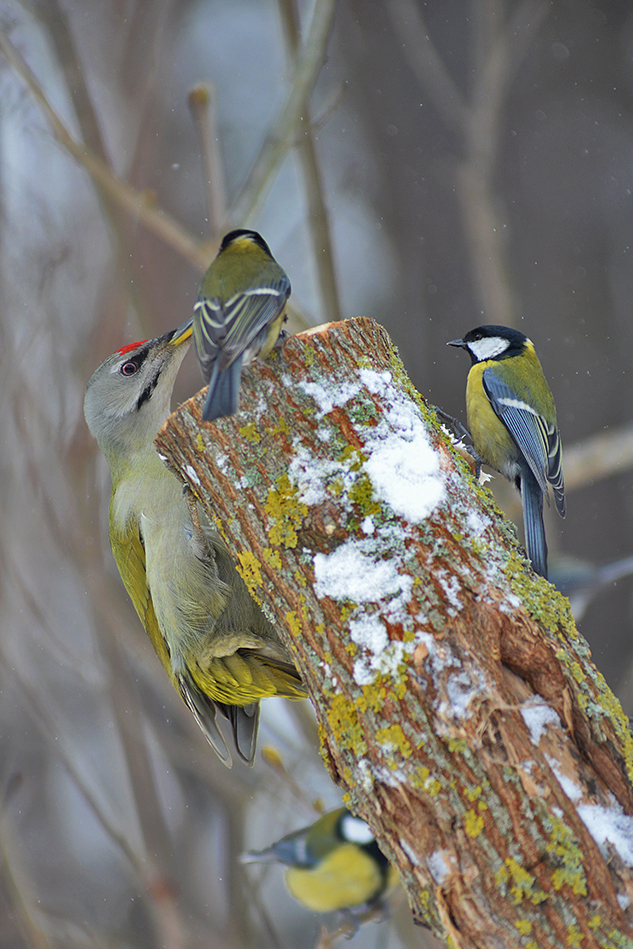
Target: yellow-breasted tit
[(238, 316), (512, 421), (334, 864), (220, 652)]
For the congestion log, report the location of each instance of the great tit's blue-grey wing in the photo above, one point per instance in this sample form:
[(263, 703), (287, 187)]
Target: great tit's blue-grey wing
[(229, 327), (534, 436), (248, 314)]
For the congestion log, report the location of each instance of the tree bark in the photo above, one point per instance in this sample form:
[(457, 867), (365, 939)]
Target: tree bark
[(458, 706)]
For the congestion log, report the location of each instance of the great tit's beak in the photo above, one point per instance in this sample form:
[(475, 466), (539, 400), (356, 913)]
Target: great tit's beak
[(457, 342), (183, 333)]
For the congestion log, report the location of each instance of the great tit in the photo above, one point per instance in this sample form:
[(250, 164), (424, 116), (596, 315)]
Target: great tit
[(334, 864), (220, 652), (512, 421), (238, 316)]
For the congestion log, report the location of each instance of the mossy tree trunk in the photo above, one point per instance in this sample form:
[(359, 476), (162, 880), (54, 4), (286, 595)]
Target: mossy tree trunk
[(458, 706)]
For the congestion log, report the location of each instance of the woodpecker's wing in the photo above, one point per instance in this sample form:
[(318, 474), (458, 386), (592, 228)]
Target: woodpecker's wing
[(536, 438), (129, 555), (230, 326)]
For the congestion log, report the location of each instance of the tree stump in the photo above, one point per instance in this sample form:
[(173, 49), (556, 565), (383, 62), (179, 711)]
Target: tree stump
[(458, 706)]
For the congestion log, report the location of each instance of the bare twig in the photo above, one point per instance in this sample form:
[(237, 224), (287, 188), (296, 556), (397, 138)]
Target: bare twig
[(283, 134), (138, 204), (202, 102), (317, 211), (498, 50), (598, 457), (426, 63)]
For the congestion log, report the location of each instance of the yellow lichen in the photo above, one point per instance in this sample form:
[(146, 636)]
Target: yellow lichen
[(564, 848), (249, 433), (272, 558), (362, 494), (281, 428), (523, 885), (348, 732), (249, 568), (473, 823), (524, 926), (286, 513), (574, 937), (393, 736), (294, 624)]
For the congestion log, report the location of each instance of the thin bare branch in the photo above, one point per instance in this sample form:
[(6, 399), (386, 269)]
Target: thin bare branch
[(202, 105), (319, 227), (139, 205), (285, 130), (425, 61), (598, 457)]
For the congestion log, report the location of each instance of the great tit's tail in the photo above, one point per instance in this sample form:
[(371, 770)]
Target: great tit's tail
[(532, 498), (224, 390)]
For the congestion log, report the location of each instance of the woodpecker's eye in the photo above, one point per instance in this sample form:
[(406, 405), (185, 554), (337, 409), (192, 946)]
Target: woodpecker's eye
[(128, 369)]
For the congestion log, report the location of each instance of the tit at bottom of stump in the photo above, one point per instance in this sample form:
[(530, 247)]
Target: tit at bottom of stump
[(334, 864)]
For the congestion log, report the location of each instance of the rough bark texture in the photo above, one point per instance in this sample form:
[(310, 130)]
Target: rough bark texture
[(458, 706)]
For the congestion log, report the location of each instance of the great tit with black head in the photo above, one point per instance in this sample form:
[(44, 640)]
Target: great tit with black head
[(238, 316), (512, 421), (334, 864), (219, 650)]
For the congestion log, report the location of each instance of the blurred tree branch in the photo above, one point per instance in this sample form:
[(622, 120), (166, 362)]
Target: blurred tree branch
[(498, 50), (139, 205), (203, 108), (284, 133), (457, 704), (319, 228)]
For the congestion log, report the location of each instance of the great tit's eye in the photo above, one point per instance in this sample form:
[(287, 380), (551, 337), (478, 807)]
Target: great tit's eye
[(128, 369)]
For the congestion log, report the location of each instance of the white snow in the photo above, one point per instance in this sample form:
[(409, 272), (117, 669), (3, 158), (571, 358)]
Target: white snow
[(370, 633), (376, 382), (537, 715), (571, 788), (438, 867), (367, 525), (326, 397), (192, 474), (350, 574), (460, 691), (403, 466), (609, 825), (477, 523), (410, 852)]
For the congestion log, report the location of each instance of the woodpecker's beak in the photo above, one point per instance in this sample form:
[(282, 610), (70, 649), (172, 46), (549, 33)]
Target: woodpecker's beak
[(457, 342), (183, 333)]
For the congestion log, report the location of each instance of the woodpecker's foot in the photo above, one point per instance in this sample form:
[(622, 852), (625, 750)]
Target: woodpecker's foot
[(192, 504)]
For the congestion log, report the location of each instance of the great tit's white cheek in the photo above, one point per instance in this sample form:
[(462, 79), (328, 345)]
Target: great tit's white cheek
[(489, 347), (355, 830)]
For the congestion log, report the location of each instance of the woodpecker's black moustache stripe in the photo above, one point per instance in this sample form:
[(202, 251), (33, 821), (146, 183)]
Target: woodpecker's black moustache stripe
[(147, 392)]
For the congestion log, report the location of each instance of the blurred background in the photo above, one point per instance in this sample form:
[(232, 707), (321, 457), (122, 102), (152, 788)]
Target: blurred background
[(434, 165)]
